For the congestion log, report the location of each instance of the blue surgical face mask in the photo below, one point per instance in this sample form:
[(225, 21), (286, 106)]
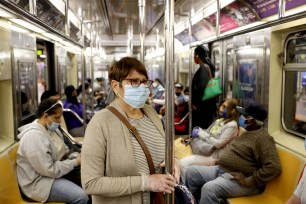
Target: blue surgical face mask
[(136, 96), (242, 121), (223, 113), (53, 126)]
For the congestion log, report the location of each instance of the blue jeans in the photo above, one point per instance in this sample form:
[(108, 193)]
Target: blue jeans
[(210, 184), (66, 191)]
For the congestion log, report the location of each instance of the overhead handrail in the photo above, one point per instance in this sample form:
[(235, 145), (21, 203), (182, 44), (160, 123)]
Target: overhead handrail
[(74, 113), (177, 123)]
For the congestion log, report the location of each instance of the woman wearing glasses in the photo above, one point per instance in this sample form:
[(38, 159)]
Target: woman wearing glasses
[(114, 166), (41, 166)]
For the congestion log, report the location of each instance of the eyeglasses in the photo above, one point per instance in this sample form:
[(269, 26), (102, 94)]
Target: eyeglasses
[(58, 102), (137, 82)]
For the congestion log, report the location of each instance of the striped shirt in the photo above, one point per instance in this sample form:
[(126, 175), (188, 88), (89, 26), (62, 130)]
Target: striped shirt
[(154, 142)]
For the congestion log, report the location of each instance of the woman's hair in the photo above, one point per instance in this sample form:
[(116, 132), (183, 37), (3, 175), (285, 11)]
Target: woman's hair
[(48, 106), (79, 90), (232, 103), (203, 53), (159, 81), (122, 68)]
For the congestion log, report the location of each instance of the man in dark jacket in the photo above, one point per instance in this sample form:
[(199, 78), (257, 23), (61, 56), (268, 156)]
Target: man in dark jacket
[(244, 168)]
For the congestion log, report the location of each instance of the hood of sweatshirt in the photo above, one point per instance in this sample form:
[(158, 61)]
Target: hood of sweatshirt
[(31, 126)]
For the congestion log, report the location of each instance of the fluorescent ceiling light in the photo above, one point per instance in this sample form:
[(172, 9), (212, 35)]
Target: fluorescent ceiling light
[(53, 37), (27, 25), (18, 29), (74, 20), (295, 10), (6, 14), (60, 5)]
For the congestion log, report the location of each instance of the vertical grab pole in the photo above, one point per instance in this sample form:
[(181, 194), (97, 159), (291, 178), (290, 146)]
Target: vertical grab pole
[(142, 5), (190, 73), (281, 9), (169, 66)]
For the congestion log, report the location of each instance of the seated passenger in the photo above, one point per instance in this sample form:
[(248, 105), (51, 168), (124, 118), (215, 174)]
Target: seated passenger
[(42, 170), (88, 95), (181, 110), (219, 134), (243, 168), (299, 195), (74, 125)]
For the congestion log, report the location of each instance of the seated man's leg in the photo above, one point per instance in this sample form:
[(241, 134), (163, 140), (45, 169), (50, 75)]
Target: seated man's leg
[(224, 187), (197, 176)]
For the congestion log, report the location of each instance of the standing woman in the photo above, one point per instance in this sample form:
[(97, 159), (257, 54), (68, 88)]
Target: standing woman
[(114, 166), (41, 166), (203, 111)]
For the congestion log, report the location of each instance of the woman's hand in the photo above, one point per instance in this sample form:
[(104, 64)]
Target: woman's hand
[(78, 159), (160, 183), (176, 169)]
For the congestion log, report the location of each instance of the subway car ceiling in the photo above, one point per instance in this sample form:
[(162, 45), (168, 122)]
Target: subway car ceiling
[(112, 26)]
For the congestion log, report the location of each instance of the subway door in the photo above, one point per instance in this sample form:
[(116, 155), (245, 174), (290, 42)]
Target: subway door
[(24, 78), (252, 67), (216, 58)]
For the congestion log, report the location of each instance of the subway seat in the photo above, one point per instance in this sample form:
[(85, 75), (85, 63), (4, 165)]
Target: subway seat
[(9, 189)]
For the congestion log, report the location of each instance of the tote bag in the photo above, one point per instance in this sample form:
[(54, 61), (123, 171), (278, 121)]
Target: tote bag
[(201, 147), (213, 87)]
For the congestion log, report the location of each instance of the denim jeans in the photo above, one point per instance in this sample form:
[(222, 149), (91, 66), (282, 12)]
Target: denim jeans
[(66, 191), (210, 184)]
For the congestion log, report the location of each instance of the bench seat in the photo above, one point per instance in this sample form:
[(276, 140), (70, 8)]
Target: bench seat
[(9, 189)]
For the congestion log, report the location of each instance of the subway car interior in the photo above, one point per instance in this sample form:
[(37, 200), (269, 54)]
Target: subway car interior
[(258, 49)]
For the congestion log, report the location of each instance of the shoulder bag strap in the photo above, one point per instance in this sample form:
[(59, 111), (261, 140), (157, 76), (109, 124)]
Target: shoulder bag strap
[(134, 131), (208, 69)]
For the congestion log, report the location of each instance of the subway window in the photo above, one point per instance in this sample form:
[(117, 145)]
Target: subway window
[(294, 85)]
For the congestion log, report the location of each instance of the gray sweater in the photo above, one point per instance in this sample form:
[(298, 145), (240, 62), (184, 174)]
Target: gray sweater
[(38, 162)]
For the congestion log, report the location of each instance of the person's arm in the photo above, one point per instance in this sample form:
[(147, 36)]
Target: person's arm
[(229, 133), (39, 153), (293, 200)]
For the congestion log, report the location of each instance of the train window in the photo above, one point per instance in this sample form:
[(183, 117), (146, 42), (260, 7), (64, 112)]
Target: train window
[(294, 100)]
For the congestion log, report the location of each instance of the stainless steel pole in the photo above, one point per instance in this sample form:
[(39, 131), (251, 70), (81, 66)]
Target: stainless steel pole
[(142, 6), (169, 66), (190, 73)]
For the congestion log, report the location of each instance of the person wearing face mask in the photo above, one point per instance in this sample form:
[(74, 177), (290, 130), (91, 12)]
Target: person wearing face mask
[(74, 126), (299, 195), (219, 134), (42, 167), (181, 109), (88, 95), (157, 87), (114, 166), (243, 168)]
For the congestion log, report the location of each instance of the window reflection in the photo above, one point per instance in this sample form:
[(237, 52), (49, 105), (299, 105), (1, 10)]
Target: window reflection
[(294, 113)]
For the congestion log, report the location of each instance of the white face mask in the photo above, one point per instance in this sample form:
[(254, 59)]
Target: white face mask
[(88, 91), (136, 97)]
